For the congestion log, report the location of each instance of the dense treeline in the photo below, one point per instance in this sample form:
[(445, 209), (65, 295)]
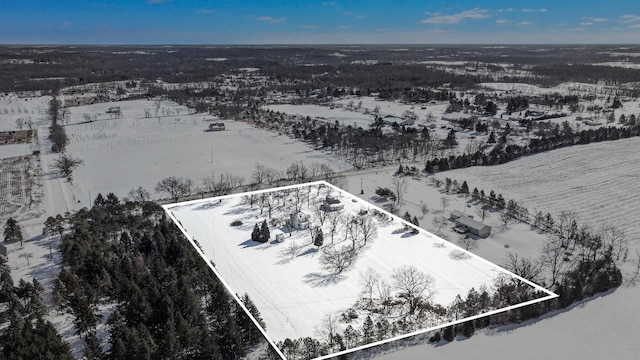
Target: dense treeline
[(504, 152), (169, 305), (588, 73), (26, 68)]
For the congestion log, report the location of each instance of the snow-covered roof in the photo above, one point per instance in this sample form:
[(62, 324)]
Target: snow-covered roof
[(470, 223)]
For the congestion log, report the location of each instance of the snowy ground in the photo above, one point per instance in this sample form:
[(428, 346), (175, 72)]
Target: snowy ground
[(122, 154), (293, 292), (597, 182)]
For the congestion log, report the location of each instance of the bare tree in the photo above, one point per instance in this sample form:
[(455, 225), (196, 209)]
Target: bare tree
[(444, 202), (336, 260), (175, 187), (139, 194), (27, 256), (414, 284), (250, 199), (293, 249), (368, 228), (66, 164), (482, 212), (615, 242), (634, 277), (384, 293), (334, 219), (439, 221), (523, 267), (328, 329), (369, 279), (467, 242), (424, 208), (259, 174), (353, 230), (400, 187), (506, 219), (553, 255)]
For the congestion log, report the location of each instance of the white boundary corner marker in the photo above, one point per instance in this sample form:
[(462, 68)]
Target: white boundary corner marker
[(549, 295)]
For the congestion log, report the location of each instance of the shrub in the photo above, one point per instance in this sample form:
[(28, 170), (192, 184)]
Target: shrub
[(236, 223)]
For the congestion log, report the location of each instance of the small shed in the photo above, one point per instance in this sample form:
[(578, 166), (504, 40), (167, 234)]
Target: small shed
[(278, 236), (475, 227), (3, 251)]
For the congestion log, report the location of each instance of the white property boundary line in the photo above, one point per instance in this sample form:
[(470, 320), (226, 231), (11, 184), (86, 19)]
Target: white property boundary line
[(168, 207)]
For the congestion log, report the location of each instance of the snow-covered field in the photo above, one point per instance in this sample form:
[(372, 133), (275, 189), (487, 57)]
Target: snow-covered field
[(597, 182), (122, 154), (292, 290), (342, 116)]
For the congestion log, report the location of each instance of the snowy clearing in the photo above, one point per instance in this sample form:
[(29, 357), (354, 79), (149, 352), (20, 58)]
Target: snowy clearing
[(291, 288), (122, 154)]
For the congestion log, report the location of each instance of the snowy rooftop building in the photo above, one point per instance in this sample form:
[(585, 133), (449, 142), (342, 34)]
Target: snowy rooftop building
[(473, 226), (300, 220)]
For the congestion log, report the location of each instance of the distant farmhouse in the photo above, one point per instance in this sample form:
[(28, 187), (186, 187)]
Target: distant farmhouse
[(467, 224)]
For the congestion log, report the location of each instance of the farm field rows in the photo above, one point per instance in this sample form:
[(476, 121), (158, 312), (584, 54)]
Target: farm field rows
[(597, 182)]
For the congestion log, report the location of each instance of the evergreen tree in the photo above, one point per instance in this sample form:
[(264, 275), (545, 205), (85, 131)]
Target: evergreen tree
[(255, 234), (319, 238), (415, 222), (451, 140), (99, 200), (264, 232), (448, 334), (368, 330), (492, 138), (464, 188), (92, 348), (12, 231), (250, 332)]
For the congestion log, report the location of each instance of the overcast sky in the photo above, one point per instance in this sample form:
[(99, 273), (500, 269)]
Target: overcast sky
[(318, 22)]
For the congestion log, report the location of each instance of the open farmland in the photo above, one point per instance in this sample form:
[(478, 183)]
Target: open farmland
[(289, 281), (122, 154), (597, 182)]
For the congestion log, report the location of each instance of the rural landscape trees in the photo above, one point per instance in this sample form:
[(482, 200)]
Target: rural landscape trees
[(176, 188), (128, 257), (66, 164)]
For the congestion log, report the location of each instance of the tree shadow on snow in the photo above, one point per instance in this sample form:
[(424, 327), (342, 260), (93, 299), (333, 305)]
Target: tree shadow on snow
[(408, 234), (459, 255), (250, 243), (208, 205), (322, 280), (309, 251)]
